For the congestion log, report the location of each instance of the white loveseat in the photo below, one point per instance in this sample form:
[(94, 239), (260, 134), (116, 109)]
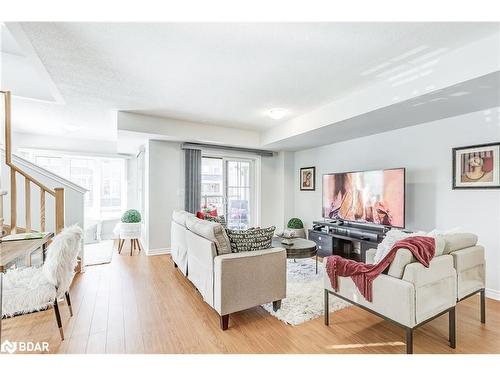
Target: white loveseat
[(228, 282), (409, 295)]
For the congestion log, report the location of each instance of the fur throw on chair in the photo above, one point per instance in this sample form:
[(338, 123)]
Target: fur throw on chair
[(35, 288), (61, 258)]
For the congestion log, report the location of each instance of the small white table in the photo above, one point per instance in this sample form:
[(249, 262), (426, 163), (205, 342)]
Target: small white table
[(128, 231)]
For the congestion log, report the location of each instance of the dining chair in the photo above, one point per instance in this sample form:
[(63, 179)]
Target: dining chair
[(31, 289)]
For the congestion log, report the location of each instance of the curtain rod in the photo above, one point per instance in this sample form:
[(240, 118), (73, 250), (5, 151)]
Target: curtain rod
[(191, 146)]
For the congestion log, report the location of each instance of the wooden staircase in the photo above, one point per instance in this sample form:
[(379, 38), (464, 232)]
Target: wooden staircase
[(29, 182)]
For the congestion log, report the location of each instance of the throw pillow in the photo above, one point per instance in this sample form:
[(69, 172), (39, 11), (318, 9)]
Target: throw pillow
[(92, 232), (250, 240), (217, 219), (391, 237)]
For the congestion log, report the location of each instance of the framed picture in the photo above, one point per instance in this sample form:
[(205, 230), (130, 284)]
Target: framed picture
[(476, 167), (308, 178)]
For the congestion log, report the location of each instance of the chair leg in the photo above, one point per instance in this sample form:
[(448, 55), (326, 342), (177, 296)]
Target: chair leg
[(483, 306), (276, 305), (58, 318), (68, 301), (224, 322), (409, 341), (327, 308), (452, 328)]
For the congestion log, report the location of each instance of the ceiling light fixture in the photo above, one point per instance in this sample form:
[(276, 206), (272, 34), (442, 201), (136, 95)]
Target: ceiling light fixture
[(277, 113)]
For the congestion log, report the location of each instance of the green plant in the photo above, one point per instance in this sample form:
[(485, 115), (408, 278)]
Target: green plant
[(295, 223), (131, 216)]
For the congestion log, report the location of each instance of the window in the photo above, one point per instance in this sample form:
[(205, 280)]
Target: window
[(227, 184), (104, 177)]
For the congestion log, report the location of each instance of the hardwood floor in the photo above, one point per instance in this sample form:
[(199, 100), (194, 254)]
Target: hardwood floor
[(143, 304)]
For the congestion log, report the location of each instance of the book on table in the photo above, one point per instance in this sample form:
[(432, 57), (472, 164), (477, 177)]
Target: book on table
[(24, 236)]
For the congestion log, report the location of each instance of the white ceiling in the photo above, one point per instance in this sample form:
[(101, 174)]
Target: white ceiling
[(224, 74), (20, 68)]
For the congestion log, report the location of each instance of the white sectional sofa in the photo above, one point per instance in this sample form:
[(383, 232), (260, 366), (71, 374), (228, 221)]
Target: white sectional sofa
[(228, 282)]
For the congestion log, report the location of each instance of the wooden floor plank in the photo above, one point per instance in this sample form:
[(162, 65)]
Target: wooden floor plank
[(143, 304)]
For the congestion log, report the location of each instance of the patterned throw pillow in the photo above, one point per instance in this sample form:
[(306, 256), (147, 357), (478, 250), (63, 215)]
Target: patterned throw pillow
[(217, 219), (250, 240)]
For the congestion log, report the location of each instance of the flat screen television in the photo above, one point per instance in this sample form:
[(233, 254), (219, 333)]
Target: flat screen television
[(376, 197)]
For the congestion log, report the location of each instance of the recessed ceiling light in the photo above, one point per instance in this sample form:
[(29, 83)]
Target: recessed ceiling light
[(277, 113)]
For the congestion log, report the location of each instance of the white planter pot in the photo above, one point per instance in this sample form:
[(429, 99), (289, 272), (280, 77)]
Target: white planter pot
[(296, 233), (130, 230)]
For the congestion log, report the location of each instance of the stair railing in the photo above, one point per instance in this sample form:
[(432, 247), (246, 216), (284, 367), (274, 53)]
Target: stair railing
[(57, 193)]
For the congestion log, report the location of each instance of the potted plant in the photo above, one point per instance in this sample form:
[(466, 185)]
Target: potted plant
[(130, 226), (295, 228)]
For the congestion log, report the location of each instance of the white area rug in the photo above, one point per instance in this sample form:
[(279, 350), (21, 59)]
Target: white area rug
[(304, 294), (98, 253)]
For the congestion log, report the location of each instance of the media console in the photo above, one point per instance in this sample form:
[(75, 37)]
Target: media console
[(349, 240)]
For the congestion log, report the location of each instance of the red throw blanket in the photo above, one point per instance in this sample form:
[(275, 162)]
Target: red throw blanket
[(423, 248)]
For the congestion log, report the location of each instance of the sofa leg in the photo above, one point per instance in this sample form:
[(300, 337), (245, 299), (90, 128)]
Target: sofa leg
[(409, 341), (327, 308), (483, 306), (175, 265), (224, 322), (452, 328), (276, 305)]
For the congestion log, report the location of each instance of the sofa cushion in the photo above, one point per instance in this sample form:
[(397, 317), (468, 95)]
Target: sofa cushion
[(180, 216), (458, 241), (250, 240), (211, 231)]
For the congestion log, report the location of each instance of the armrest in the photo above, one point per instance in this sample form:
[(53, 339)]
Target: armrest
[(247, 279), (440, 267), (435, 287), (392, 297), (370, 256), (200, 260), (468, 258), (470, 266)]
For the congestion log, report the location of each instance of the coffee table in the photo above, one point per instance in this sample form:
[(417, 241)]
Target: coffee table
[(299, 249)]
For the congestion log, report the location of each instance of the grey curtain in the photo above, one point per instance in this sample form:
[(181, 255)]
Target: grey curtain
[(192, 200)]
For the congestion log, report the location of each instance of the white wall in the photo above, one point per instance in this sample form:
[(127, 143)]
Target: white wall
[(177, 130), (425, 152), (71, 144), (164, 192), (277, 186)]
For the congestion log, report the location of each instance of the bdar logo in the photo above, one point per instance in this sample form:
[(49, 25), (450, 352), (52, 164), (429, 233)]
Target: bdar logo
[(8, 347)]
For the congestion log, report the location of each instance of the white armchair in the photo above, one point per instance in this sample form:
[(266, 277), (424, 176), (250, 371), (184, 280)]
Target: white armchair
[(409, 295), (32, 289)]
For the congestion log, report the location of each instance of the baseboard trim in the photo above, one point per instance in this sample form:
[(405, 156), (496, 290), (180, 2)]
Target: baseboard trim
[(160, 251), (493, 294)]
